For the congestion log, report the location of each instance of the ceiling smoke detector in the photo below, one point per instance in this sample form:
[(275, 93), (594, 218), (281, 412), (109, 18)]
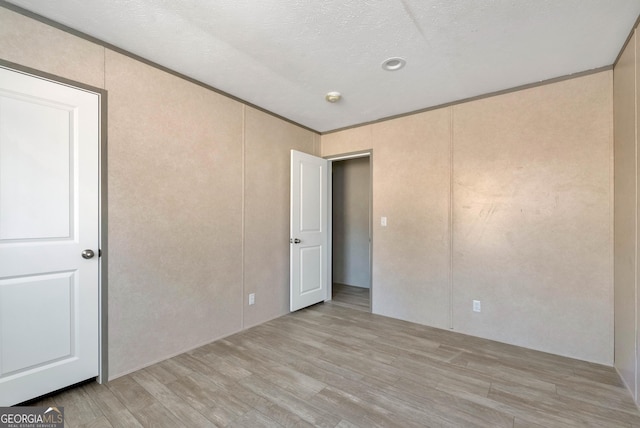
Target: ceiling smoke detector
[(333, 97), (393, 64)]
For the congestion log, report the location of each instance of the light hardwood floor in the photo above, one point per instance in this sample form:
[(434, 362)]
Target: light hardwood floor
[(350, 296), (332, 366)]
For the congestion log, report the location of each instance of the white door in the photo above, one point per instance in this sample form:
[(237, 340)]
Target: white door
[(49, 216), (309, 235)]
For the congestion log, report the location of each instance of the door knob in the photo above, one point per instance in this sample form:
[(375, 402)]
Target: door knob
[(295, 241), (88, 254)]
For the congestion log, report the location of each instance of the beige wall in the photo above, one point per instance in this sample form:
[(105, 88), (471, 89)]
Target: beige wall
[(506, 200), (626, 215), (411, 182), (532, 218), (175, 205), (268, 142), (193, 177)]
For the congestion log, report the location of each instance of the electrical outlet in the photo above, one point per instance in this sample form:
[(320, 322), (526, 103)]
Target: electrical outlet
[(476, 306), (252, 298)]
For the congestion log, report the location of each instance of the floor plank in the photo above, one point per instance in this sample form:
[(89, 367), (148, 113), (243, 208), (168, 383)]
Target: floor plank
[(351, 297), (335, 366)]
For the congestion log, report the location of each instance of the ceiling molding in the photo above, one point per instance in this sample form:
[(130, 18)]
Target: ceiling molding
[(626, 42), (143, 60), (247, 50), (478, 97)]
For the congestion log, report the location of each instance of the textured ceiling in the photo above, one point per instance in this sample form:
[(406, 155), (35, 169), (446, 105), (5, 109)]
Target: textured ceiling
[(285, 55)]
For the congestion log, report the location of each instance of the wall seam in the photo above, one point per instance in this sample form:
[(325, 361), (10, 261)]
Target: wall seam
[(243, 212), (612, 223), (451, 217), (635, 273)]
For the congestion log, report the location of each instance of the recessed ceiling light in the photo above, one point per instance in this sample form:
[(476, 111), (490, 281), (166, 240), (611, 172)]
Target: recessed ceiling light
[(393, 64), (333, 97)]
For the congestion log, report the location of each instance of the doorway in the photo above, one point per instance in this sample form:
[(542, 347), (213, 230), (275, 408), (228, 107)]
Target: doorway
[(351, 232)]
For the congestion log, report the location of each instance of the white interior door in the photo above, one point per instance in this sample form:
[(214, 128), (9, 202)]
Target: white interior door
[(49, 216), (309, 230)]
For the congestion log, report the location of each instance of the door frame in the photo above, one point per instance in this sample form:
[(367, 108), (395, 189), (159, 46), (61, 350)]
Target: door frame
[(103, 355), (341, 157)]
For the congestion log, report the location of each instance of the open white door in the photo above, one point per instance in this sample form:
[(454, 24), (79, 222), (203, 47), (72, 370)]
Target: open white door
[(309, 230), (49, 236)]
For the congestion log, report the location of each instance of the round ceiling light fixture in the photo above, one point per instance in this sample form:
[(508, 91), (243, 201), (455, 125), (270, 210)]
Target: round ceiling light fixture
[(333, 96), (393, 64)]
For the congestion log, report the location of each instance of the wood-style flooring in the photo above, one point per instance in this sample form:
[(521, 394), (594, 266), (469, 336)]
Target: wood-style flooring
[(350, 296), (332, 366)]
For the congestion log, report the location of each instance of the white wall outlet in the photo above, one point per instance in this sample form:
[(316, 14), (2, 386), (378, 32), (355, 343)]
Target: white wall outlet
[(383, 221), (252, 298), (476, 306)]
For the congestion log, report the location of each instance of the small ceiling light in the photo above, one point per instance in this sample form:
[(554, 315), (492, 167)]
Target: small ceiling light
[(333, 96), (393, 64)]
